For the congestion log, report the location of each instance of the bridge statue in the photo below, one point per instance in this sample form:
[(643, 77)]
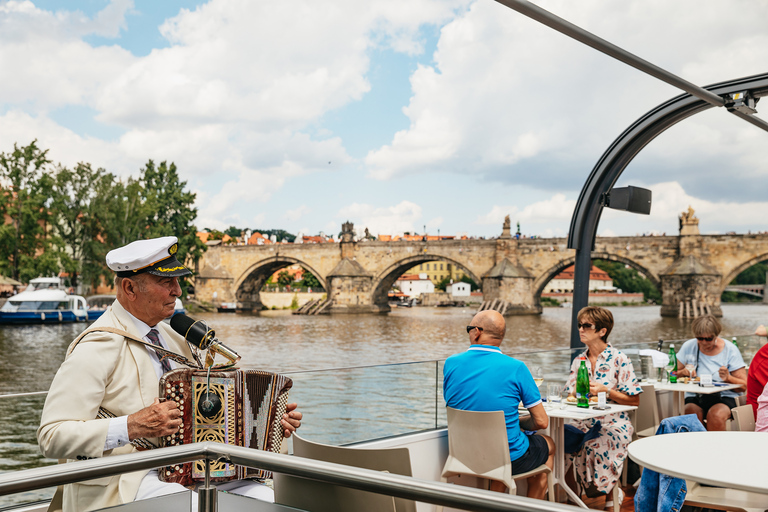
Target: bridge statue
[(357, 276), (506, 228), (689, 224)]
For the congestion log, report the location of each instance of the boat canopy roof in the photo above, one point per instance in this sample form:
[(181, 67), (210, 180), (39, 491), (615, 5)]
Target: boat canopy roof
[(40, 296)]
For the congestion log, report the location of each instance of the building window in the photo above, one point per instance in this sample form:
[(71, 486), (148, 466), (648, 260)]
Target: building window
[(441, 266)]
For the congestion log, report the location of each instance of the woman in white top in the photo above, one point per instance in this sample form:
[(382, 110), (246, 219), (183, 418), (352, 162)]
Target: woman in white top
[(715, 356)]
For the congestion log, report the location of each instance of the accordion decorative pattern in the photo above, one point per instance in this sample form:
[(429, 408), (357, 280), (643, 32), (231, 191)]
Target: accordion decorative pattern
[(239, 407)]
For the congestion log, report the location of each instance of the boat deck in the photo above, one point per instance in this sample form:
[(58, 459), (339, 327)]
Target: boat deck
[(628, 505)]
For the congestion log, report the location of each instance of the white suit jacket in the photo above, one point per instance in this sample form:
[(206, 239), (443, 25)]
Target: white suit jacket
[(102, 370)]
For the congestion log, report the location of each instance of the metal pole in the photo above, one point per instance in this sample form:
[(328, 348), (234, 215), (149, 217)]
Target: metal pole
[(582, 266), (579, 34), (569, 29), (206, 496)]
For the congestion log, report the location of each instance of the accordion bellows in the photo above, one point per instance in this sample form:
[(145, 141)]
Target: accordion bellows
[(238, 407)]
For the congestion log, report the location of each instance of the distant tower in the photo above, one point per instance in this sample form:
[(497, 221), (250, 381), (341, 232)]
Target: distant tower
[(347, 232)]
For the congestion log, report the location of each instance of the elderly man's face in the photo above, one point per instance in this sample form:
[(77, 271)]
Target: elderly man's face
[(156, 297)]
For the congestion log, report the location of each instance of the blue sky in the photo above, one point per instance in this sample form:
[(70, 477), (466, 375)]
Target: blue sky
[(399, 116)]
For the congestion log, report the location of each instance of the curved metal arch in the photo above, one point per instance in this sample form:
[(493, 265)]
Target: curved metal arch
[(620, 153)]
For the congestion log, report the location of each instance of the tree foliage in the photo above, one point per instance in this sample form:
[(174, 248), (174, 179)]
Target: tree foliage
[(60, 219), (25, 202), (629, 280), (284, 278), (309, 280)]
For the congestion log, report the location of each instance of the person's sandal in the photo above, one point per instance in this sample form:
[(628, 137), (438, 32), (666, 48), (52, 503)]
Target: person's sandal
[(609, 504)]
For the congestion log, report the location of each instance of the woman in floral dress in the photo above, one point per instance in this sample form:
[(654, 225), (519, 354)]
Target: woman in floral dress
[(600, 461)]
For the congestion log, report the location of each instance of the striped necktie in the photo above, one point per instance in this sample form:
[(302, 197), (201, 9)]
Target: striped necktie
[(164, 362)]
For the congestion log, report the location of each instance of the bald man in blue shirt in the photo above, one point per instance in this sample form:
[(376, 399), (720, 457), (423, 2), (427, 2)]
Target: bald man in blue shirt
[(484, 379)]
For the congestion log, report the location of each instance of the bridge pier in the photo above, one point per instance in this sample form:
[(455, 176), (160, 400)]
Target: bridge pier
[(690, 280), (350, 289), (513, 284)]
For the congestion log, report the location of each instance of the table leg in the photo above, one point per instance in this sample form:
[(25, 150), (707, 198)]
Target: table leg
[(558, 427)]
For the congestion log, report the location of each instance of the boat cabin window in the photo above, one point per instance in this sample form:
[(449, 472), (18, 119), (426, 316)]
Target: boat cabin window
[(40, 305)]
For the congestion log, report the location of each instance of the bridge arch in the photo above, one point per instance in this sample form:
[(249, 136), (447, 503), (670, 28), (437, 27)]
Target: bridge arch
[(741, 268), (386, 278), (561, 265), (248, 285)]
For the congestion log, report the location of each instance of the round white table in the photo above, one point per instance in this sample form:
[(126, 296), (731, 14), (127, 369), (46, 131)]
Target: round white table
[(736, 460)]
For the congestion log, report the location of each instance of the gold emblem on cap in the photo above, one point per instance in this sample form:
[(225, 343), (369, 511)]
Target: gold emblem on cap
[(172, 249), (169, 269)]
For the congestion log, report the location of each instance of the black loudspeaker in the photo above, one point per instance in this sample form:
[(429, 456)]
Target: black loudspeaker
[(631, 199)]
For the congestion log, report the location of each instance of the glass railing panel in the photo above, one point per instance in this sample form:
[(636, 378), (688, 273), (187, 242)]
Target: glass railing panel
[(19, 419), (354, 404)]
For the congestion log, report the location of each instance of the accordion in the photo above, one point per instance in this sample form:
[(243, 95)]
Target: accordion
[(238, 407)]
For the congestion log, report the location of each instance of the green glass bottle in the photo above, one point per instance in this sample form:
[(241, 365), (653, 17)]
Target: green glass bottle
[(672, 365), (582, 384)]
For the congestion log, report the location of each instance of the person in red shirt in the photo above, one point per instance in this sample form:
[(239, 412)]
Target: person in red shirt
[(757, 376)]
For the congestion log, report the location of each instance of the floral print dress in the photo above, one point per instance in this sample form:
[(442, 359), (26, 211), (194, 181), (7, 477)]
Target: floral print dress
[(600, 461)]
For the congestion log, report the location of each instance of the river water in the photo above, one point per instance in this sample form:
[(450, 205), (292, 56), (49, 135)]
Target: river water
[(343, 405)]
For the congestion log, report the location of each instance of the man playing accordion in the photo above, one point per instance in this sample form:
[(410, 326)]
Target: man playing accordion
[(106, 370)]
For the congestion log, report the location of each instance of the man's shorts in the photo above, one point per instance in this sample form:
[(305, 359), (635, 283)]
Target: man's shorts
[(707, 401), (537, 454)]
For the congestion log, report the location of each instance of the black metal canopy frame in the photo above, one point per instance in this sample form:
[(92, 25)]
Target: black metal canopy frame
[(586, 216)]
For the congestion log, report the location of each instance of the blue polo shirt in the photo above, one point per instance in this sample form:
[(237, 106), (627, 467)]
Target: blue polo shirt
[(484, 379)]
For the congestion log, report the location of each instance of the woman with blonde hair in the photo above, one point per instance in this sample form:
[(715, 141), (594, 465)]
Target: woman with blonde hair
[(715, 356)]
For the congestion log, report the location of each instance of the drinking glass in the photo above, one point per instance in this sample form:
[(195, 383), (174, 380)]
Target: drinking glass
[(538, 376), (690, 367), (553, 394)]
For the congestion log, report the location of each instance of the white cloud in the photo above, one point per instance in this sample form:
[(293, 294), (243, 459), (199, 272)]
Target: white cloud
[(558, 209), (391, 220), (510, 98), (297, 213)]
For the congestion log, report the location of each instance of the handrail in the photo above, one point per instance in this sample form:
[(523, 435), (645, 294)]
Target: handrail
[(400, 486)]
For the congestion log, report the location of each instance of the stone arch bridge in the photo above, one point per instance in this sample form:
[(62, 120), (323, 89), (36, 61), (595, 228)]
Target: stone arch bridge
[(358, 274)]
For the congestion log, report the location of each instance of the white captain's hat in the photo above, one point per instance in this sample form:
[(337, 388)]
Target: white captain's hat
[(155, 256)]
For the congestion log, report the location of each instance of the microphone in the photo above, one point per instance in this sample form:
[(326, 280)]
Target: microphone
[(194, 331), (197, 333)]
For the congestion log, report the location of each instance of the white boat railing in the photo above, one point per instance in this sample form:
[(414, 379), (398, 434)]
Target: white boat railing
[(465, 498)]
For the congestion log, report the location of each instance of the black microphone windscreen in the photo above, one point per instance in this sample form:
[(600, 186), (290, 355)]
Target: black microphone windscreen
[(193, 331)]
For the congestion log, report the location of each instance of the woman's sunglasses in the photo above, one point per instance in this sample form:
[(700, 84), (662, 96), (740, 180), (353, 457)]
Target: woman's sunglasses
[(701, 338)]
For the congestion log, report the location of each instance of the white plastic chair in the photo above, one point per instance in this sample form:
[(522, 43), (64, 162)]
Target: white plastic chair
[(743, 418), (647, 414), (478, 445), (315, 496), (719, 498)]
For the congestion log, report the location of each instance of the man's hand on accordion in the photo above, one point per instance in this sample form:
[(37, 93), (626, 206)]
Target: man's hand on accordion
[(291, 419), (159, 419)]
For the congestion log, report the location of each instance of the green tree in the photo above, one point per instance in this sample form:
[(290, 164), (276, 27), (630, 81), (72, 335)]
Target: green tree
[(284, 278), (78, 205), (171, 210), (309, 280), (629, 280), (442, 284), (25, 201), (233, 231)]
